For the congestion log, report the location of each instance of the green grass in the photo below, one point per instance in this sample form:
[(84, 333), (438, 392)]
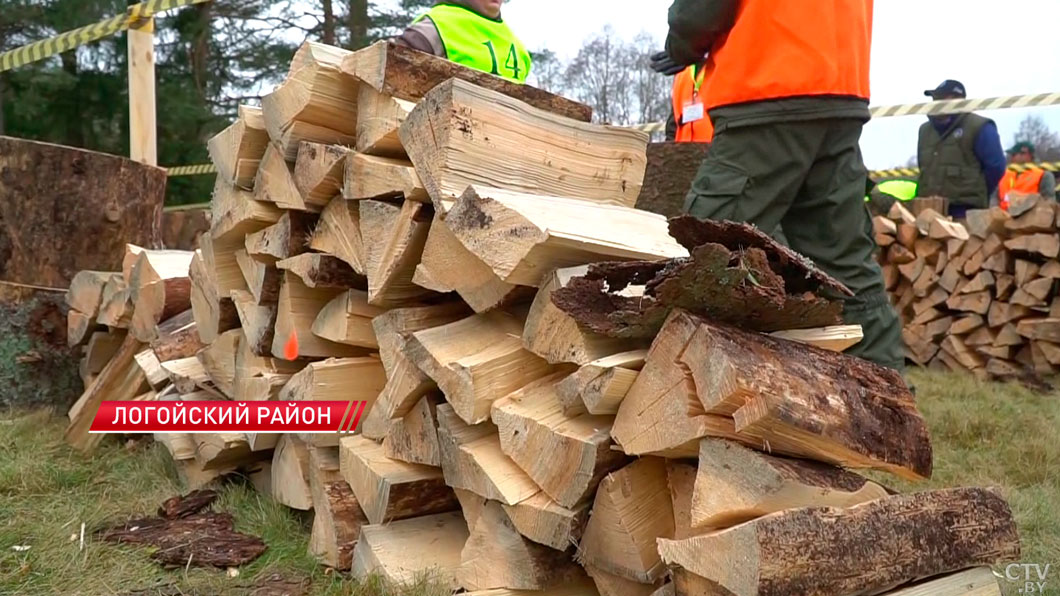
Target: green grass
[(984, 434)]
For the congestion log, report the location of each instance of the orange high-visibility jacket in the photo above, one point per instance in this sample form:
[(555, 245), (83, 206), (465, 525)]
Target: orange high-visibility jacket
[(1026, 182), (780, 48), (684, 94)]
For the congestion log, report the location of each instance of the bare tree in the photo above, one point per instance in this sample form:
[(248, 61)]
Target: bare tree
[(547, 72), (1033, 129), (600, 75), (653, 90)]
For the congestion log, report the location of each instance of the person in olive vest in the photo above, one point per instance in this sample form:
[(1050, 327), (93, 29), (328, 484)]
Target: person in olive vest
[(472, 33), (1030, 181), (788, 92), (959, 155)]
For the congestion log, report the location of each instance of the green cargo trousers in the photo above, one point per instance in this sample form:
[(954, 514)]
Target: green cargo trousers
[(809, 178)]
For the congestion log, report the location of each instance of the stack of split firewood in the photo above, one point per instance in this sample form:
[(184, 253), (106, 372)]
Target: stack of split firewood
[(566, 395), (980, 295)]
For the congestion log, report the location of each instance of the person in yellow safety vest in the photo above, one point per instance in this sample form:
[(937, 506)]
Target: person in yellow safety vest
[(1030, 181), (883, 195), (472, 33)]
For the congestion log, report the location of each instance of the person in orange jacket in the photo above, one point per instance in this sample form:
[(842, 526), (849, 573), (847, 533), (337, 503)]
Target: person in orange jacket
[(788, 96), (1030, 181)]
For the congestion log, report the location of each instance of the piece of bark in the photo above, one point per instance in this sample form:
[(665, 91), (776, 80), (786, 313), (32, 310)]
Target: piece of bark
[(955, 529), (668, 176), (632, 509), (530, 422), (390, 490), (413, 438)]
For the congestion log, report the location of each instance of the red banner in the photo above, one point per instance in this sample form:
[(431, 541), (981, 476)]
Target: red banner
[(136, 417)]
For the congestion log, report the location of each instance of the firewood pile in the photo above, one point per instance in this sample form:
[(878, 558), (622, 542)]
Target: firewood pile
[(977, 296), (566, 395)]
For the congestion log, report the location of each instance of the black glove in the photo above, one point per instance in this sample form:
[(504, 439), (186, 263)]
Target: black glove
[(662, 63)]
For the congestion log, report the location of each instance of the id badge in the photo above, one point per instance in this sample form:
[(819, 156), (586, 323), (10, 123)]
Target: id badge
[(693, 112)]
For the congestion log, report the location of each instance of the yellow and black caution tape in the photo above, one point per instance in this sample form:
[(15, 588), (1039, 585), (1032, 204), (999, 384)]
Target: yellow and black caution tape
[(137, 17), (934, 108), (1051, 166), (197, 170)]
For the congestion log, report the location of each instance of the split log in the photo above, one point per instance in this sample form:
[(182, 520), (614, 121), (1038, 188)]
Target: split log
[(214, 314), (284, 239), (370, 177), (390, 490), (339, 233), (78, 325), (413, 438), (544, 521), (86, 291), (337, 379), (737, 274), (476, 361), (979, 581), (555, 336), (220, 451), (258, 322), (395, 551), (379, 116), (236, 213), (600, 386), (1002, 313), (101, 349), (608, 584), (319, 172), (317, 94), (983, 281), (347, 319), (447, 265), (681, 482), (219, 361), (262, 278), (1046, 245), (472, 459), (275, 184), (120, 380), (394, 237), (298, 308), (1040, 329), (752, 378), (189, 376), (237, 150), (407, 74), (1040, 218), (290, 474), (115, 308), (157, 302), (983, 222), (735, 484), (497, 556), (836, 338), (531, 422), (337, 516), (322, 271), (952, 530), (967, 324), (632, 509), (941, 229), (522, 237), (302, 132), (977, 302), (607, 167)]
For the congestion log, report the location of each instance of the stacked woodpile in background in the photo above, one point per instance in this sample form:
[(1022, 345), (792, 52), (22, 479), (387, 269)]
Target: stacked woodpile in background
[(980, 295), (566, 395)]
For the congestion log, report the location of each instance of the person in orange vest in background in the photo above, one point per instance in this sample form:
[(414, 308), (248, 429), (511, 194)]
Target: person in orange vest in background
[(689, 122), (1030, 181)]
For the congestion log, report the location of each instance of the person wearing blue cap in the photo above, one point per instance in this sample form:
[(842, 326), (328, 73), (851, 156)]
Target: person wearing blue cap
[(959, 155)]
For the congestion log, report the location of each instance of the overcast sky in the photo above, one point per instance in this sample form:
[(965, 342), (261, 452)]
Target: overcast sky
[(994, 48)]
